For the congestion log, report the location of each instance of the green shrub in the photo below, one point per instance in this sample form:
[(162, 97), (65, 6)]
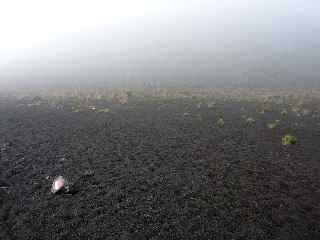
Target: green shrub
[(104, 110), (284, 112), (250, 120), (272, 125), (289, 139), (220, 122)]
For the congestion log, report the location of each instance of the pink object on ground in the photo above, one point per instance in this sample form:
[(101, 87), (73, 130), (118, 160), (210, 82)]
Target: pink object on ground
[(58, 184)]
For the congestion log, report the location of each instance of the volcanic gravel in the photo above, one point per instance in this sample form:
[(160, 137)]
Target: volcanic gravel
[(157, 170)]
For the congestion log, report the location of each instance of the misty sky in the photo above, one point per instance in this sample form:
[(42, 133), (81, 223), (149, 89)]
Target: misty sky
[(166, 41)]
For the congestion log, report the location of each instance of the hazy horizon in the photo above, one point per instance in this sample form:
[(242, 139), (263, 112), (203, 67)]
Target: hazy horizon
[(196, 43)]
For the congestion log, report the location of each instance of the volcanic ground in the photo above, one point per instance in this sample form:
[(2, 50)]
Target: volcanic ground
[(159, 169)]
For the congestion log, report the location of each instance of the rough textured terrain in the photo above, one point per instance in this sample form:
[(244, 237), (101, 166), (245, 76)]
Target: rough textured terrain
[(158, 170)]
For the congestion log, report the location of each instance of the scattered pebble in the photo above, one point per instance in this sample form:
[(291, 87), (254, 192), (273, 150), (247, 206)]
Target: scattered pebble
[(88, 172)]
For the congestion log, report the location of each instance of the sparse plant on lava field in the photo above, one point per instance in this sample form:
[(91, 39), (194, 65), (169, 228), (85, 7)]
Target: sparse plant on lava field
[(250, 120), (220, 122), (284, 112), (104, 110), (289, 139), (272, 125)]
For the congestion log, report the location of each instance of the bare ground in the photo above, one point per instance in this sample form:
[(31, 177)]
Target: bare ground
[(161, 170)]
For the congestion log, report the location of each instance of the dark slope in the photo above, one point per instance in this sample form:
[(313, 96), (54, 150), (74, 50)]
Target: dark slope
[(158, 173)]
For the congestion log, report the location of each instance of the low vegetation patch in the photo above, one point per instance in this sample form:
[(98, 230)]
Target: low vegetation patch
[(272, 125), (220, 122), (289, 139), (250, 120)]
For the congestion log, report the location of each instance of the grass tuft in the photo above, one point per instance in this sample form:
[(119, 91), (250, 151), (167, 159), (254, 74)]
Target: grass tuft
[(289, 139)]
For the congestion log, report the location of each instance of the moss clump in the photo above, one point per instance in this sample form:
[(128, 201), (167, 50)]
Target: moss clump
[(211, 104), (104, 110), (220, 122), (289, 139), (250, 120), (272, 125), (284, 113)]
